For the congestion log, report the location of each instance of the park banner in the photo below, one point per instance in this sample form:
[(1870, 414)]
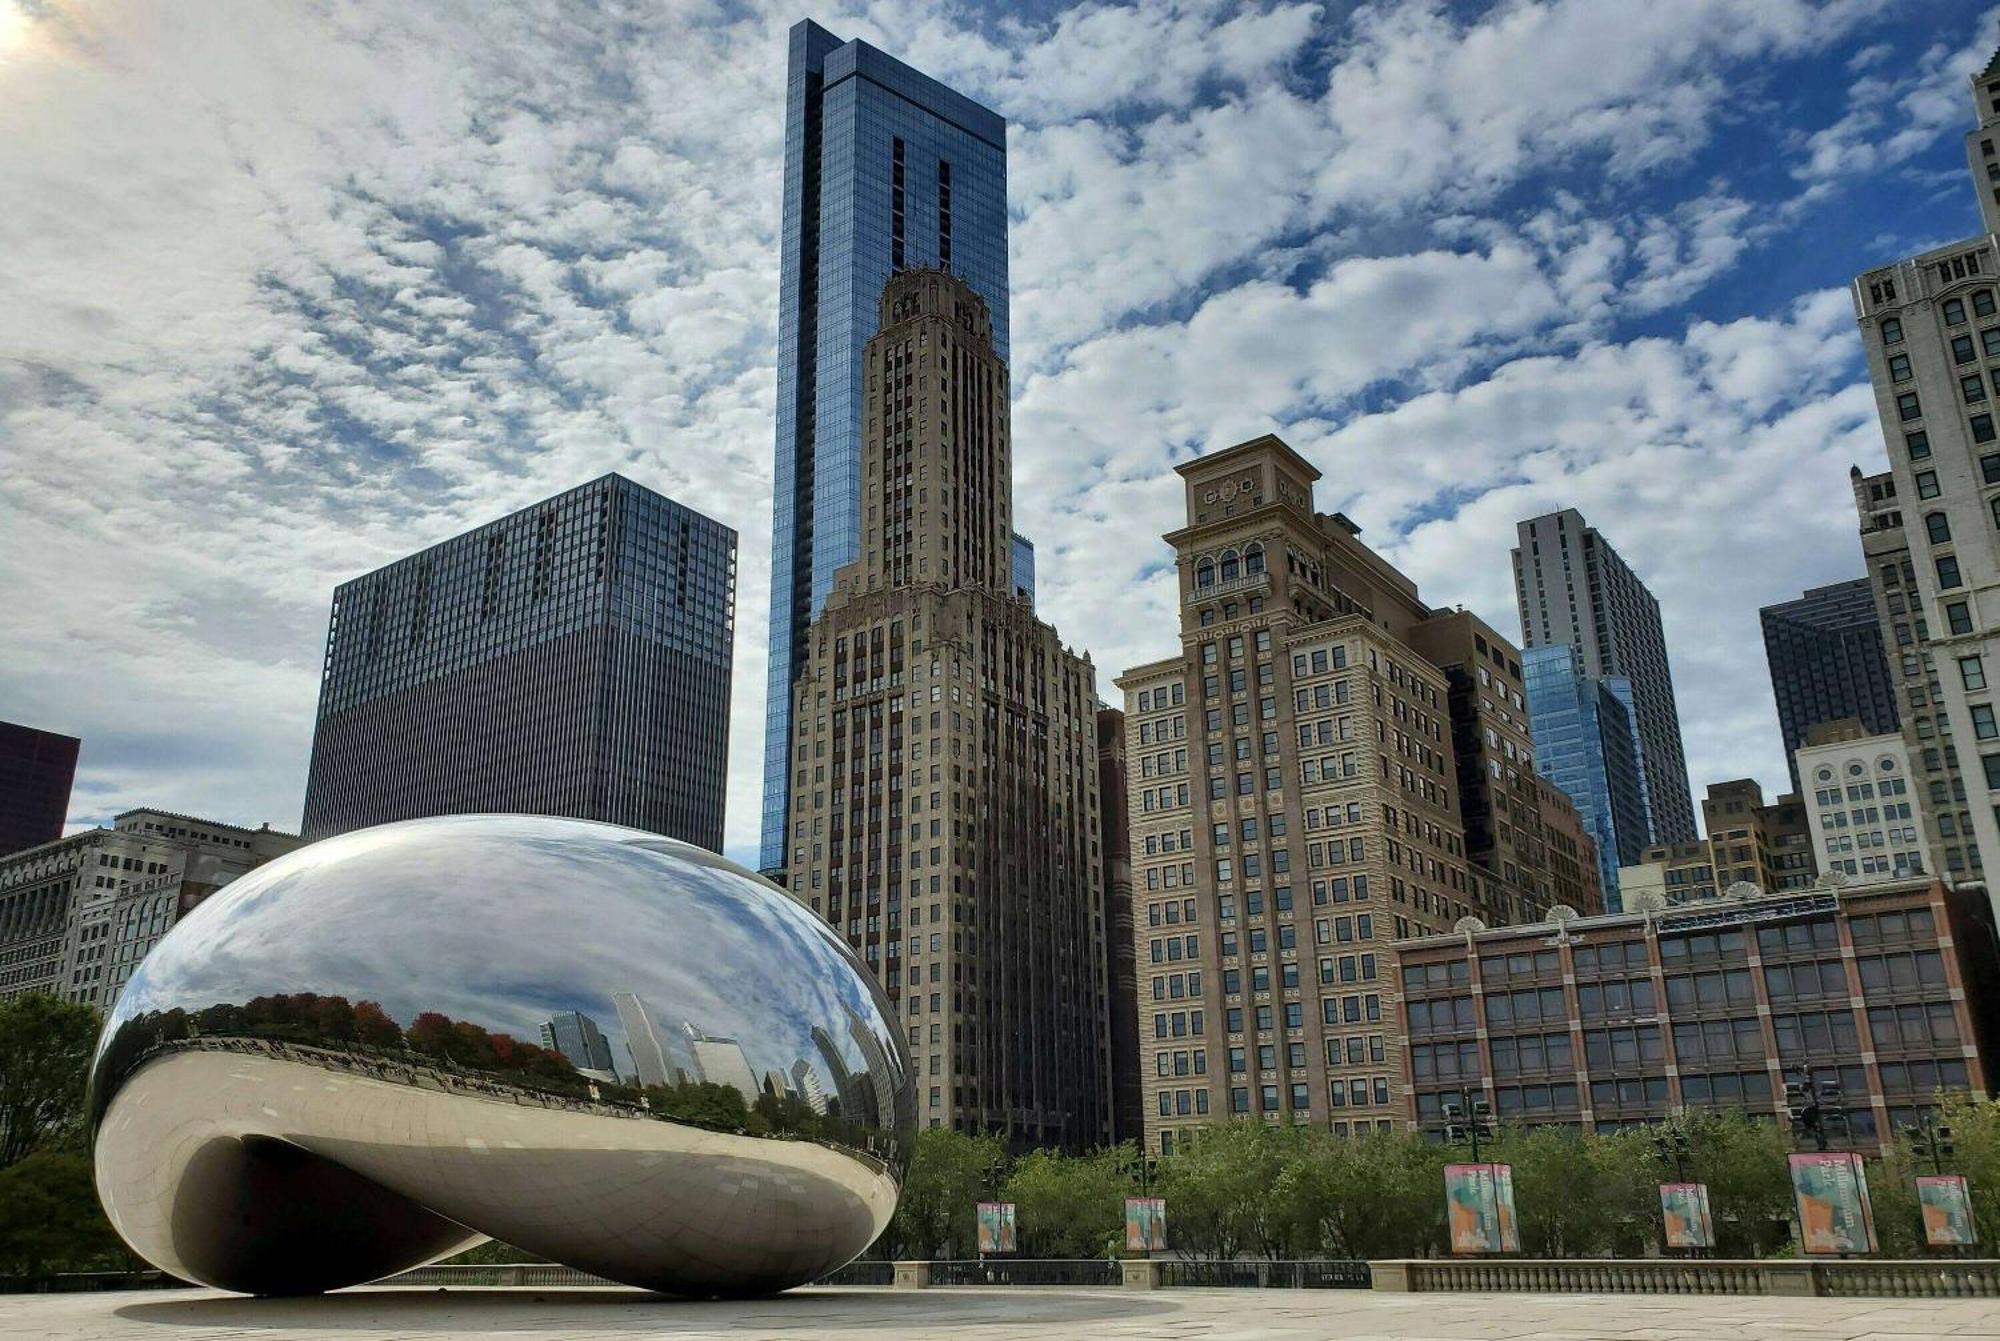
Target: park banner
[(996, 1228), (1479, 1208), (1145, 1224), (1684, 1207), (1946, 1201), (1832, 1195)]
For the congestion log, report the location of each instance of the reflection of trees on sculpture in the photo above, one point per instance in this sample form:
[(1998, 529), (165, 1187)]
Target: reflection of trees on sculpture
[(458, 1054)]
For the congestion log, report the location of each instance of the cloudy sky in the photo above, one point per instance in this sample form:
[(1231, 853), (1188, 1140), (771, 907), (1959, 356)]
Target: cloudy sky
[(289, 290)]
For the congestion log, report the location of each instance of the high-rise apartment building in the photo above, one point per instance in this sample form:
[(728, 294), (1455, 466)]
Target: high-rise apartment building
[(1864, 811), (1942, 807), (1296, 805), (1825, 654), (1881, 992), (944, 770), (572, 658), (37, 769), (1587, 744), (885, 169), (1930, 325), (1574, 589), (1752, 843), (78, 914)]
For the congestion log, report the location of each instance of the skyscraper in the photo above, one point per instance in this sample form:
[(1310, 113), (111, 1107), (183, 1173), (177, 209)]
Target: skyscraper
[(943, 765), (1930, 325), (37, 769), (885, 169), (1940, 800), (1575, 590), (1587, 743), (1298, 803), (577, 1037), (572, 658), (1825, 654)]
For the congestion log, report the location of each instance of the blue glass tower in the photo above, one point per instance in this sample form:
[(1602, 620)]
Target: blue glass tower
[(1587, 744), (885, 169)]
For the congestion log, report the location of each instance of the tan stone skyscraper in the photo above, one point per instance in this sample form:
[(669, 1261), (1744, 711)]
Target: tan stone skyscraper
[(945, 809), (1299, 777)]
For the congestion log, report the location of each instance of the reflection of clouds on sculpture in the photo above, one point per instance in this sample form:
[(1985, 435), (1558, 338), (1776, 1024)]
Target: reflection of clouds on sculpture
[(473, 933), (422, 952)]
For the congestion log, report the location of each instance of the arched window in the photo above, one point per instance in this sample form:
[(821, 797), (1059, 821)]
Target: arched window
[(1937, 528), (1204, 572), (1253, 560), (1229, 565)]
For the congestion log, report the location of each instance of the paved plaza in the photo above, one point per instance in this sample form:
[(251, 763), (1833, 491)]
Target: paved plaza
[(985, 1315)]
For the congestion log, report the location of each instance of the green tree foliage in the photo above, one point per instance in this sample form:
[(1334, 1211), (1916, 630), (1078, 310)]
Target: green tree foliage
[(1380, 1195), (50, 1219), (950, 1173), (1071, 1205), (1218, 1184), (45, 1047)]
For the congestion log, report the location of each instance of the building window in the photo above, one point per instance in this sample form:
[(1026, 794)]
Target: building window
[(1907, 407), (1972, 672), (1958, 616), (1991, 762), (1927, 485), (1982, 303), (1918, 444), (1899, 364), (1937, 528), (1892, 330), (1947, 572), (1962, 351), (1983, 725), (1973, 387), (1989, 468), (1982, 428), (1954, 311), (1989, 340)]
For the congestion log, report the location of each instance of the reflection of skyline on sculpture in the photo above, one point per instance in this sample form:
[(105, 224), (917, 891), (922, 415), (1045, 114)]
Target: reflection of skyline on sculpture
[(673, 1013), (532, 992)]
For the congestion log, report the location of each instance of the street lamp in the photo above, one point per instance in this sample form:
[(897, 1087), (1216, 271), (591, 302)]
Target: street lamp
[(1670, 1142), (1467, 1119), (1932, 1140), (1815, 1108)]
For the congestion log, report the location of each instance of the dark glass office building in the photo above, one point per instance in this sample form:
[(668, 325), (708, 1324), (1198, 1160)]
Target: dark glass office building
[(36, 771), (570, 659), (885, 169), (1825, 652)]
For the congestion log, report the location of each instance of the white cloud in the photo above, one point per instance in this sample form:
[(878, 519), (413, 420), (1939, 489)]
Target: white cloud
[(283, 299)]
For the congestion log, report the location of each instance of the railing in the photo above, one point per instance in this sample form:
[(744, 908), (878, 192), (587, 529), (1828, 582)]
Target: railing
[(1287, 1275), (1929, 1279), (1256, 582), (1027, 1271), (73, 1282)]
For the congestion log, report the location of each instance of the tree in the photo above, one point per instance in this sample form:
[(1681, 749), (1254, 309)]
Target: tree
[(1070, 1205), (950, 1173), (1217, 1184), (45, 1047), (1580, 1195), (1378, 1195), (1744, 1163), (50, 1219)]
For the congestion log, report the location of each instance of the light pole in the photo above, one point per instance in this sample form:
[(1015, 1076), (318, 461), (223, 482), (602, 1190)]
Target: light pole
[(1670, 1142), (1932, 1140), (1815, 1108), (1467, 1120)]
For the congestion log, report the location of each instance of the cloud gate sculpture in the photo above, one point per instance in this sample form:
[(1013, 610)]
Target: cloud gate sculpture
[(604, 1047)]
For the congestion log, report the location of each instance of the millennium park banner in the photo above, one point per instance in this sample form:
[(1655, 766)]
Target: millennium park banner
[(1479, 1208), (1832, 1193), (1946, 1201), (996, 1228), (1684, 1208), (1145, 1224)]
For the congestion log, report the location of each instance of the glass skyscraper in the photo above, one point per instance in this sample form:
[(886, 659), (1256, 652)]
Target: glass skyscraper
[(1587, 743), (885, 169)]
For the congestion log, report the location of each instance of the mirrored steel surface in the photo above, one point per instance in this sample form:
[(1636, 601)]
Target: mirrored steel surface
[(602, 1046)]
